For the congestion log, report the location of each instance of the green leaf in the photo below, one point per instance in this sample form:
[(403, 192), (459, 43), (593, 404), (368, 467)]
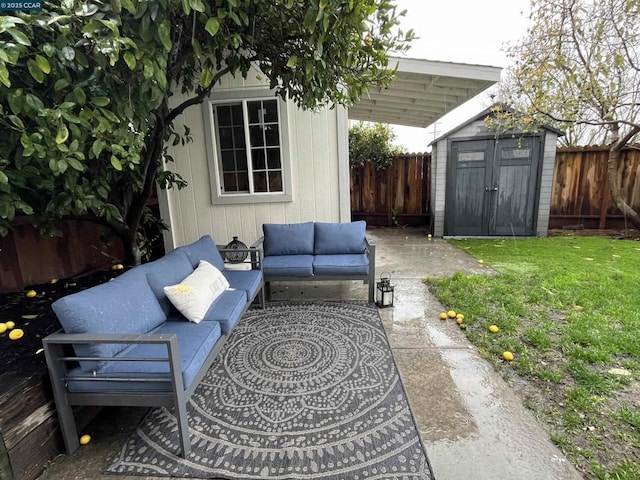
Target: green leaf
[(130, 60), (34, 103), (197, 5), (97, 147), (293, 60), (63, 133), (4, 180), (212, 26), (60, 84), (129, 6), (206, 77), (43, 64), (4, 75), (116, 163), (100, 101), (35, 71), (16, 121), (19, 37), (75, 164), (164, 33), (147, 68)]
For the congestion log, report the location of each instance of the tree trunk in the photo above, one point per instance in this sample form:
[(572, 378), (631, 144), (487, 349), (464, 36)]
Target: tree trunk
[(615, 154)]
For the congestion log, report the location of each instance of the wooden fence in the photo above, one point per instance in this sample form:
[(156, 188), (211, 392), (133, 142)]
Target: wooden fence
[(581, 198), (397, 195)]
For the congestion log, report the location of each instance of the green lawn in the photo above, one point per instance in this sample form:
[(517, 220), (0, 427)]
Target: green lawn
[(569, 310)]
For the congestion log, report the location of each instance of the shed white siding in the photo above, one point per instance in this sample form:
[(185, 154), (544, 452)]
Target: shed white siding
[(319, 164), (546, 182)]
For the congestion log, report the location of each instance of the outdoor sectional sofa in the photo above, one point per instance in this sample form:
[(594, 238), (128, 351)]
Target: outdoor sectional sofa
[(131, 346), (317, 251)]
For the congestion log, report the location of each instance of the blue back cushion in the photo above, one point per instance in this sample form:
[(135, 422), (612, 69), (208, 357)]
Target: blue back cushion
[(168, 270), (124, 305), (288, 238), (203, 249), (334, 238)]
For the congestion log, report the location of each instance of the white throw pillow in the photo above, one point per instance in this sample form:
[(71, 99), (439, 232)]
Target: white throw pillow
[(195, 294)]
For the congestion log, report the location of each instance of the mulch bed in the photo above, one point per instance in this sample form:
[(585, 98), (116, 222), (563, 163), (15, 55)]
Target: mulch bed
[(36, 318)]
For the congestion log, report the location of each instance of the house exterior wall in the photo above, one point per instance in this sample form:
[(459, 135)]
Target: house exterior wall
[(546, 182), (318, 148)]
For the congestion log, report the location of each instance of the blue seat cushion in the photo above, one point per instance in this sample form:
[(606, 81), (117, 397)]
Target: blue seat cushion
[(227, 309), (288, 265), (124, 305), (332, 238), (288, 239), (203, 249), (248, 280), (195, 342), (341, 264), (168, 270)]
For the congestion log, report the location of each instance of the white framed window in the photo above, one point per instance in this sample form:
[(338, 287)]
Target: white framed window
[(248, 148)]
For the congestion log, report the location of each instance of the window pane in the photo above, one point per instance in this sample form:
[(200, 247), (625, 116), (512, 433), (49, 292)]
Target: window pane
[(223, 112), (226, 137), (271, 114), (237, 114), (275, 181), (241, 159), (273, 158), (230, 184), (228, 161), (260, 182), (253, 109), (271, 135), (258, 160), (238, 136), (256, 136), (243, 181)]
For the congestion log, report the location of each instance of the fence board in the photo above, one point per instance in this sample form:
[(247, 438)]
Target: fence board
[(399, 193), (580, 193)]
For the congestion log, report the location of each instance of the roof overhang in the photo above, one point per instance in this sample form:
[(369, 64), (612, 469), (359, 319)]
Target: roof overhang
[(423, 91)]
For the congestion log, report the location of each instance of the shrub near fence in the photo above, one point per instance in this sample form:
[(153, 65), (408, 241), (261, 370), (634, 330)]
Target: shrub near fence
[(581, 196)]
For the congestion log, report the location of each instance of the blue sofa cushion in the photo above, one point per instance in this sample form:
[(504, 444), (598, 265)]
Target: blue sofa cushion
[(195, 342), (124, 305), (288, 265), (248, 280), (288, 239), (333, 238), (203, 249), (341, 264), (168, 270), (227, 309)]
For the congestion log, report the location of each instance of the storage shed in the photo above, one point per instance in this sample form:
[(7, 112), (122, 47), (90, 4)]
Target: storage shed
[(485, 183)]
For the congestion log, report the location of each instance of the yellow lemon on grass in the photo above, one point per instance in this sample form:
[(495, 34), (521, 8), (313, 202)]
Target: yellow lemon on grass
[(3, 327), (10, 324), (84, 439), (31, 293), (459, 320), (494, 328), (443, 316), (507, 356), (460, 315), (429, 236), (481, 262), (451, 313), (16, 334)]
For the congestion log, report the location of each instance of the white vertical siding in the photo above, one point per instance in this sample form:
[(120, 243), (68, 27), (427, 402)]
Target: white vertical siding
[(440, 174), (316, 174)]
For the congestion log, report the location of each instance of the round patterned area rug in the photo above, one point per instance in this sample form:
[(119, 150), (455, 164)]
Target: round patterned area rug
[(300, 391)]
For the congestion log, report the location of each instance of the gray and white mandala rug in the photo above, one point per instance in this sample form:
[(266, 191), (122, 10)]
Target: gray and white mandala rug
[(300, 391)]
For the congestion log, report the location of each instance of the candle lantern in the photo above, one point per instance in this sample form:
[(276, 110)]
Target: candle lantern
[(236, 256), (384, 291)]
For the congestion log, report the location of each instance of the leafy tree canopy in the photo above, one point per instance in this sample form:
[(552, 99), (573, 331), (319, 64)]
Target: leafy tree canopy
[(579, 67), (85, 88), (372, 143)]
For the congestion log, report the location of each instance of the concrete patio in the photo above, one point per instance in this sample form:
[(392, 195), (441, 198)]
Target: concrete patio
[(472, 423)]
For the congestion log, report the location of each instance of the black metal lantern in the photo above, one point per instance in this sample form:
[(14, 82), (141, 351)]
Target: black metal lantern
[(384, 292), (237, 256)]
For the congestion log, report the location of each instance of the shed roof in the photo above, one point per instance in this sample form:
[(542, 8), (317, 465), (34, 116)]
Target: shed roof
[(423, 91), (482, 115)]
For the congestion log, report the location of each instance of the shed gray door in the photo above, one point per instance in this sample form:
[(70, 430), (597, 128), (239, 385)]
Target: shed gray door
[(492, 187)]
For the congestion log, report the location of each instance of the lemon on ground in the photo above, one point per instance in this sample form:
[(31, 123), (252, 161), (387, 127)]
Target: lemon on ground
[(3, 327), (443, 316), (84, 439), (429, 236), (463, 326), (460, 315), (16, 334), (53, 281), (31, 293), (507, 356), (117, 266), (10, 324), (481, 262), (494, 328), (451, 313), (459, 320)]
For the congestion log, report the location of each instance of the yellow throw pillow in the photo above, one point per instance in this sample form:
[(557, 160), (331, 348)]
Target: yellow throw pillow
[(195, 294)]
